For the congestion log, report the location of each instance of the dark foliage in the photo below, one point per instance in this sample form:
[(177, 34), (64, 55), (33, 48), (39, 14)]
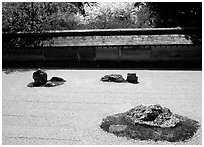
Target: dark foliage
[(36, 17), (174, 14)]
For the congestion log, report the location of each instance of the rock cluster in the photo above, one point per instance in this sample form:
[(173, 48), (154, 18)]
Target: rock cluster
[(40, 79), (131, 78)]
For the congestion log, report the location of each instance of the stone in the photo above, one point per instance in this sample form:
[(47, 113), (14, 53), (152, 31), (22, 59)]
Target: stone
[(153, 115), (132, 78), (40, 77), (117, 128), (57, 79), (113, 78)]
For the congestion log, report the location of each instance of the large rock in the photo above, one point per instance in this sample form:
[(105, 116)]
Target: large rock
[(153, 115), (40, 77), (113, 78), (150, 123)]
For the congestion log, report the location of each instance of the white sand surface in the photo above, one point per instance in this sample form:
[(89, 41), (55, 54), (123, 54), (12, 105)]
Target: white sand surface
[(71, 113)]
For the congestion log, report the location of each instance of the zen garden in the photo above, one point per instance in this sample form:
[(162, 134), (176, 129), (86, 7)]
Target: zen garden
[(101, 73)]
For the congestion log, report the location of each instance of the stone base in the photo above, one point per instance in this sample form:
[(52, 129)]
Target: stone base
[(54, 81)]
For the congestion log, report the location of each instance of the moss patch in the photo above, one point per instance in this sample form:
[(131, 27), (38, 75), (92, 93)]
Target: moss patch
[(182, 131)]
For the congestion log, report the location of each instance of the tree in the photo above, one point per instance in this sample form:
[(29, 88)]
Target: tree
[(173, 14), (35, 17), (39, 16), (109, 16)]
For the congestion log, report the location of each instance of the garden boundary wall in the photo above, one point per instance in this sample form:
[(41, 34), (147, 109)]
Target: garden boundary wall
[(135, 47)]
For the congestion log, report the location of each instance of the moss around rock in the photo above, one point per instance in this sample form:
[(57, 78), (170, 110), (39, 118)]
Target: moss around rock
[(146, 123)]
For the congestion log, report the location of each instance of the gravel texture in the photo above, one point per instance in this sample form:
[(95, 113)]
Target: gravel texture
[(71, 113)]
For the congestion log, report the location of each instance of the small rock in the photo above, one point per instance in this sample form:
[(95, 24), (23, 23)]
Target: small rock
[(117, 128), (113, 78), (132, 78), (57, 79)]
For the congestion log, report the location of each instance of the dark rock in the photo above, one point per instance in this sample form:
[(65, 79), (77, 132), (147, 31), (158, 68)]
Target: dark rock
[(150, 122), (40, 77), (57, 79), (132, 78), (113, 78)]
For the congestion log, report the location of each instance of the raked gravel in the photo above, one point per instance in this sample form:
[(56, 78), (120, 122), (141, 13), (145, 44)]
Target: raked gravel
[(70, 114)]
